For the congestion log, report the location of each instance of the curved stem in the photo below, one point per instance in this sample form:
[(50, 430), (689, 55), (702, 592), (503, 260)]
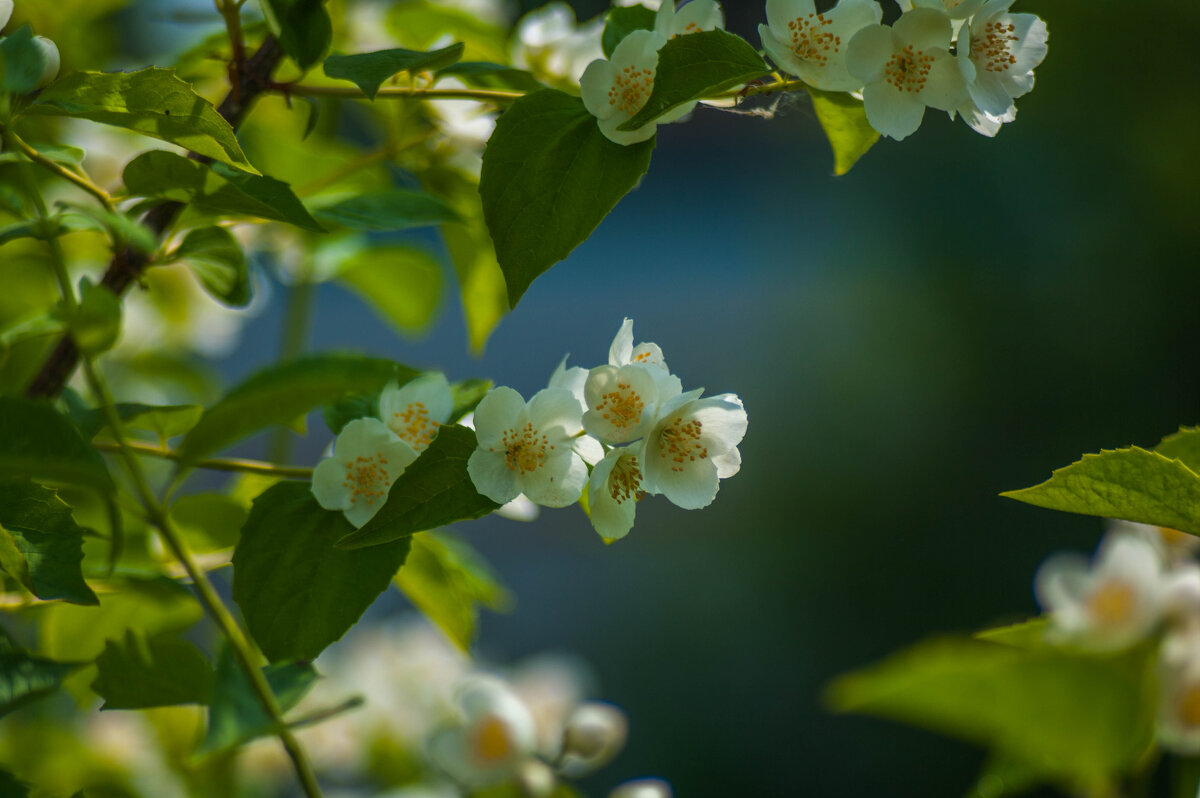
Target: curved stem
[(399, 92), (58, 169), (211, 464)]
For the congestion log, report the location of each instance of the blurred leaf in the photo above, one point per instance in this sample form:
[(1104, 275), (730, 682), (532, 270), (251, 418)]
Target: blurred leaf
[(845, 124), (386, 211), (95, 323), (1131, 484), (37, 442), (422, 23), (368, 71), (161, 671), (41, 546), (153, 102), (1081, 720), (486, 75), (698, 65), (217, 260), (303, 28), (622, 21), (468, 394), (1003, 776), (1027, 634), (1183, 446), (297, 592), (549, 177), (282, 393), (236, 716), (121, 228), (401, 281), (21, 61), (165, 421), (42, 229), (209, 521), (25, 677), (59, 153), (217, 189), (12, 787), (434, 491), (447, 580)]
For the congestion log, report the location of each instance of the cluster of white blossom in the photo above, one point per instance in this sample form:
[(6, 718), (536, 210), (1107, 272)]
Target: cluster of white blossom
[(1144, 580), (51, 60), (620, 431)]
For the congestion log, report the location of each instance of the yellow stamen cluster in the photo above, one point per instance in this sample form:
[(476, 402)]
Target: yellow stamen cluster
[(367, 478), (908, 70), (623, 407), (991, 48), (631, 88), (680, 443), (525, 449), (490, 741), (1112, 603), (414, 425), (809, 42), (625, 481)]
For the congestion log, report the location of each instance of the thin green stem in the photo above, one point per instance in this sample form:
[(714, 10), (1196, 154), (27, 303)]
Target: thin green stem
[(66, 174), (399, 92), (211, 464)]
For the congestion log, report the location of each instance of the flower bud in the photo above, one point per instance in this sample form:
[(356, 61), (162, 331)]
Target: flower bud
[(53, 61), (643, 788), (6, 9), (593, 734), (536, 779)]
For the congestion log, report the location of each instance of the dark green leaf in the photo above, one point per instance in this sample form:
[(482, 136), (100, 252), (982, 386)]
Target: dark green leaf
[(165, 421), (303, 28), (434, 491), (38, 442), (1132, 484), (209, 521), (236, 716), (218, 190), (845, 124), (1183, 446), (21, 62), (153, 102), (368, 71), (401, 281), (622, 21), (25, 677), (40, 544), (217, 260), (161, 671), (297, 592), (283, 393), (12, 787), (549, 177), (486, 75), (385, 211), (95, 323), (42, 229), (698, 65)]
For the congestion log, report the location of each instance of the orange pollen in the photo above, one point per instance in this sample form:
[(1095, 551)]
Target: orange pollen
[(625, 481), (908, 70), (490, 740), (622, 408), (1173, 537), (414, 425), (524, 449), (631, 88), (991, 49), (680, 443), (1112, 603), (367, 479), (810, 42), (1189, 705)]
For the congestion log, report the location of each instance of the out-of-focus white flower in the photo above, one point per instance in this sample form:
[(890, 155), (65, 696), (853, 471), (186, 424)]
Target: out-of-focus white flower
[(53, 61), (441, 790), (1108, 604), (693, 17), (595, 733), (6, 9), (614, 91), (1181, 591), (549, 42), (643, 788), (467, 124), (494, 735), (527, 448), (1179, 690), (415, 411), (692, 446), (367, 459), (614, 489), (366, 27), (536, 779), (1171, 543), (128, 741), (812, 46), (551, 686)]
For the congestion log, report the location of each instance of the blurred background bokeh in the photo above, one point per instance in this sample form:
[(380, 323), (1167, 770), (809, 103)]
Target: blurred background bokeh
[(954, 318)]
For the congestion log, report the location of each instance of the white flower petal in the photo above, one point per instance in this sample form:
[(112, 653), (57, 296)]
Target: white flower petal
[(559, 482), (728, 463), (611, 510), (697, 16), (491, 475), (415, 411), (590, 449), (723, 422), (781, 12), (327, 485), (868, 52), (893, 113), (621, 349), (923, 29), (555, 411), (626, 137), (944, 88), (621, 403), (572, 379), (496, 414), (692, 486), (594, 85), (1031, 47)]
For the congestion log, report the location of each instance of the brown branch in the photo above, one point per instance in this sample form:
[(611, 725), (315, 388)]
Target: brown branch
[(127, 264)]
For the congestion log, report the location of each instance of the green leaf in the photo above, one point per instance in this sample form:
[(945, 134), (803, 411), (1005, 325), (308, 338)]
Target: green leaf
[(845, 124), (153, 102), (368, 71), (59, 153), (12, 787), (549, 177), (217, 190), (447, 580), (1027, 634), (303, 28), (25, 677), (165, 421), (21, 62), (37, 442), (236, 716), (123, 229), (95, 323), (387, 211), (161, 671), (1078, 719), (281, 394), (401, 281), (209, 521), (486, 75), (621, 22), (217, 260), (698, 65), (40, 544), (1183, 446), (434, 491), (1131, 484), (297, 592)]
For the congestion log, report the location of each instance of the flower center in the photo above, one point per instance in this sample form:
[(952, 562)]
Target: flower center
[(990, 49), (908, 70), (631, 89), (622, 408), (1111, 604), (490, 740), (414, 425), (809, 42), (525, 449), (1189, 706), (680, 443), (625, 480), (367, 478)]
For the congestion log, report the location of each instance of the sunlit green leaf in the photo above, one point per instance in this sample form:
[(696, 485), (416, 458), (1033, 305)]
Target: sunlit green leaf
[(236, 715), (386, 211), (368, 71), (26, 677), (162, 671), (622, 21), (401, 281), (303, 28), (41, 546), (845, 124), (217, 260), (209, 521), (165, 421), (38, 442), (1027, 634), (1183, 446)]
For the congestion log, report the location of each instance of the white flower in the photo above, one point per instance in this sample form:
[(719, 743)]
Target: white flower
[(573, 379), (1179, 691), (905, 68), (1181, 591), (6, 9), (622, 352), (997, 53), (643, 788), (595, 733), (613, 91), (1171, 543), (693, 17), (1109, 604), (528, 448), (551, 686), (621, 403), (692, 446), (614, 489), (415, 411), (549, 42), (53, 61), (367, 459), (812, 46), (494, 736)]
